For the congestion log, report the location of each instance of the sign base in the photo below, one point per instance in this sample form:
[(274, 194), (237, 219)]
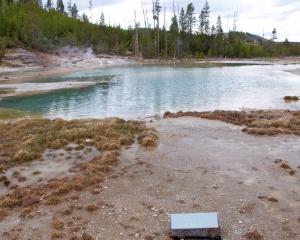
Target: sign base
[(194, 226)]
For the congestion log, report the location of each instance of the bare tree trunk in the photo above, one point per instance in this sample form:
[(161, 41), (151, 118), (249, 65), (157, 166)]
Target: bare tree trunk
[(3, 10), (136, 41), (154, 27), (165, 30)]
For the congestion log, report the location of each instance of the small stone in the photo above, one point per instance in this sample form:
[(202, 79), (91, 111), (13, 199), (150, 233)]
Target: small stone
[(121, 234), (125, 209), (153, 209), (215, 185), (136, 235), (155, 215), (240, 222)]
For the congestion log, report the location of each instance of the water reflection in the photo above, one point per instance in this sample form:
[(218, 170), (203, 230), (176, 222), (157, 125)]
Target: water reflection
[(148, 90)]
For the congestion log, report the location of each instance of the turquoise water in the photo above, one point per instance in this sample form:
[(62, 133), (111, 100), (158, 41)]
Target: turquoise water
[(146, 90)]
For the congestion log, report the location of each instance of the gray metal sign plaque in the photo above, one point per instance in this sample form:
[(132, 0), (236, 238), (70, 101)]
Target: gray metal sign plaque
[(194, 220)]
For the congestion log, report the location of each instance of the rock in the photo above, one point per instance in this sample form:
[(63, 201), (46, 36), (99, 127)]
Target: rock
[(137, 235), (215, 185)]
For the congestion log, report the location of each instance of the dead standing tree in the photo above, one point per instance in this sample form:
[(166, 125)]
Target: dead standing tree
[(156, 10), (136, 38)]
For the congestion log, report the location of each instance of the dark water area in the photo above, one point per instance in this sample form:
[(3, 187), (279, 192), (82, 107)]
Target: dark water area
[(143, 90)]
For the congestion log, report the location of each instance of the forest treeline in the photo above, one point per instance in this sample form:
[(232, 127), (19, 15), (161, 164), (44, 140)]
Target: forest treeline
[(30, 24)]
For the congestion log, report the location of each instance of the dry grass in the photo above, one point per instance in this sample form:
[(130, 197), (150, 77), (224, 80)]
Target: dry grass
[(57, 224), (23, 141), (3, 214), (247, 208), (25, 212), (272, 199), (74, 229), (74, 238), (294, 98), (36, 172), (253, 235), (87, 236), (256, 122), (22, 179), (148, 138), (53, 201), (148, 237), (67, 212), (57, 235), (285, 165), (91, 208)]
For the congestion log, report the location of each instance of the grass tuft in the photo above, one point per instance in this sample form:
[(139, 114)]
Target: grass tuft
[(57, 224), (36, 172), (293, 98), (285, 165), (57, 235), (3, 214), (25, 212), (53, 201), (87, 236), (91, 208), (272, 199), (74, 238), (253, 235)]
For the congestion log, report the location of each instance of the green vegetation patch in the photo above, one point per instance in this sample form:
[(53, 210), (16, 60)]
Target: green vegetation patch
[(8, 114)]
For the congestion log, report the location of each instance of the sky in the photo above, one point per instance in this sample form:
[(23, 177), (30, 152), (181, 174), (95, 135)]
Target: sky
[(258, 17)]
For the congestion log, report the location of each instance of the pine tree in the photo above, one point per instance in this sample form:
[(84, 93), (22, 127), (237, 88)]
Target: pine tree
[(102, 20), (90, 9), (70, 8), (49, 4), (201, 20), (183, 21), (204, 19), (40, 3), (74, 11), (219, 28), (3, 8), (156, 10), (219, 37), (60, 7), (190, 16)]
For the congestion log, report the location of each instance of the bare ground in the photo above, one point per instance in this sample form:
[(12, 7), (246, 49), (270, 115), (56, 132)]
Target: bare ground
[(254, 190)]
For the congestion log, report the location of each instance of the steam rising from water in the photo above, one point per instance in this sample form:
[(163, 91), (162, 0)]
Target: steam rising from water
[(79, 56)]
